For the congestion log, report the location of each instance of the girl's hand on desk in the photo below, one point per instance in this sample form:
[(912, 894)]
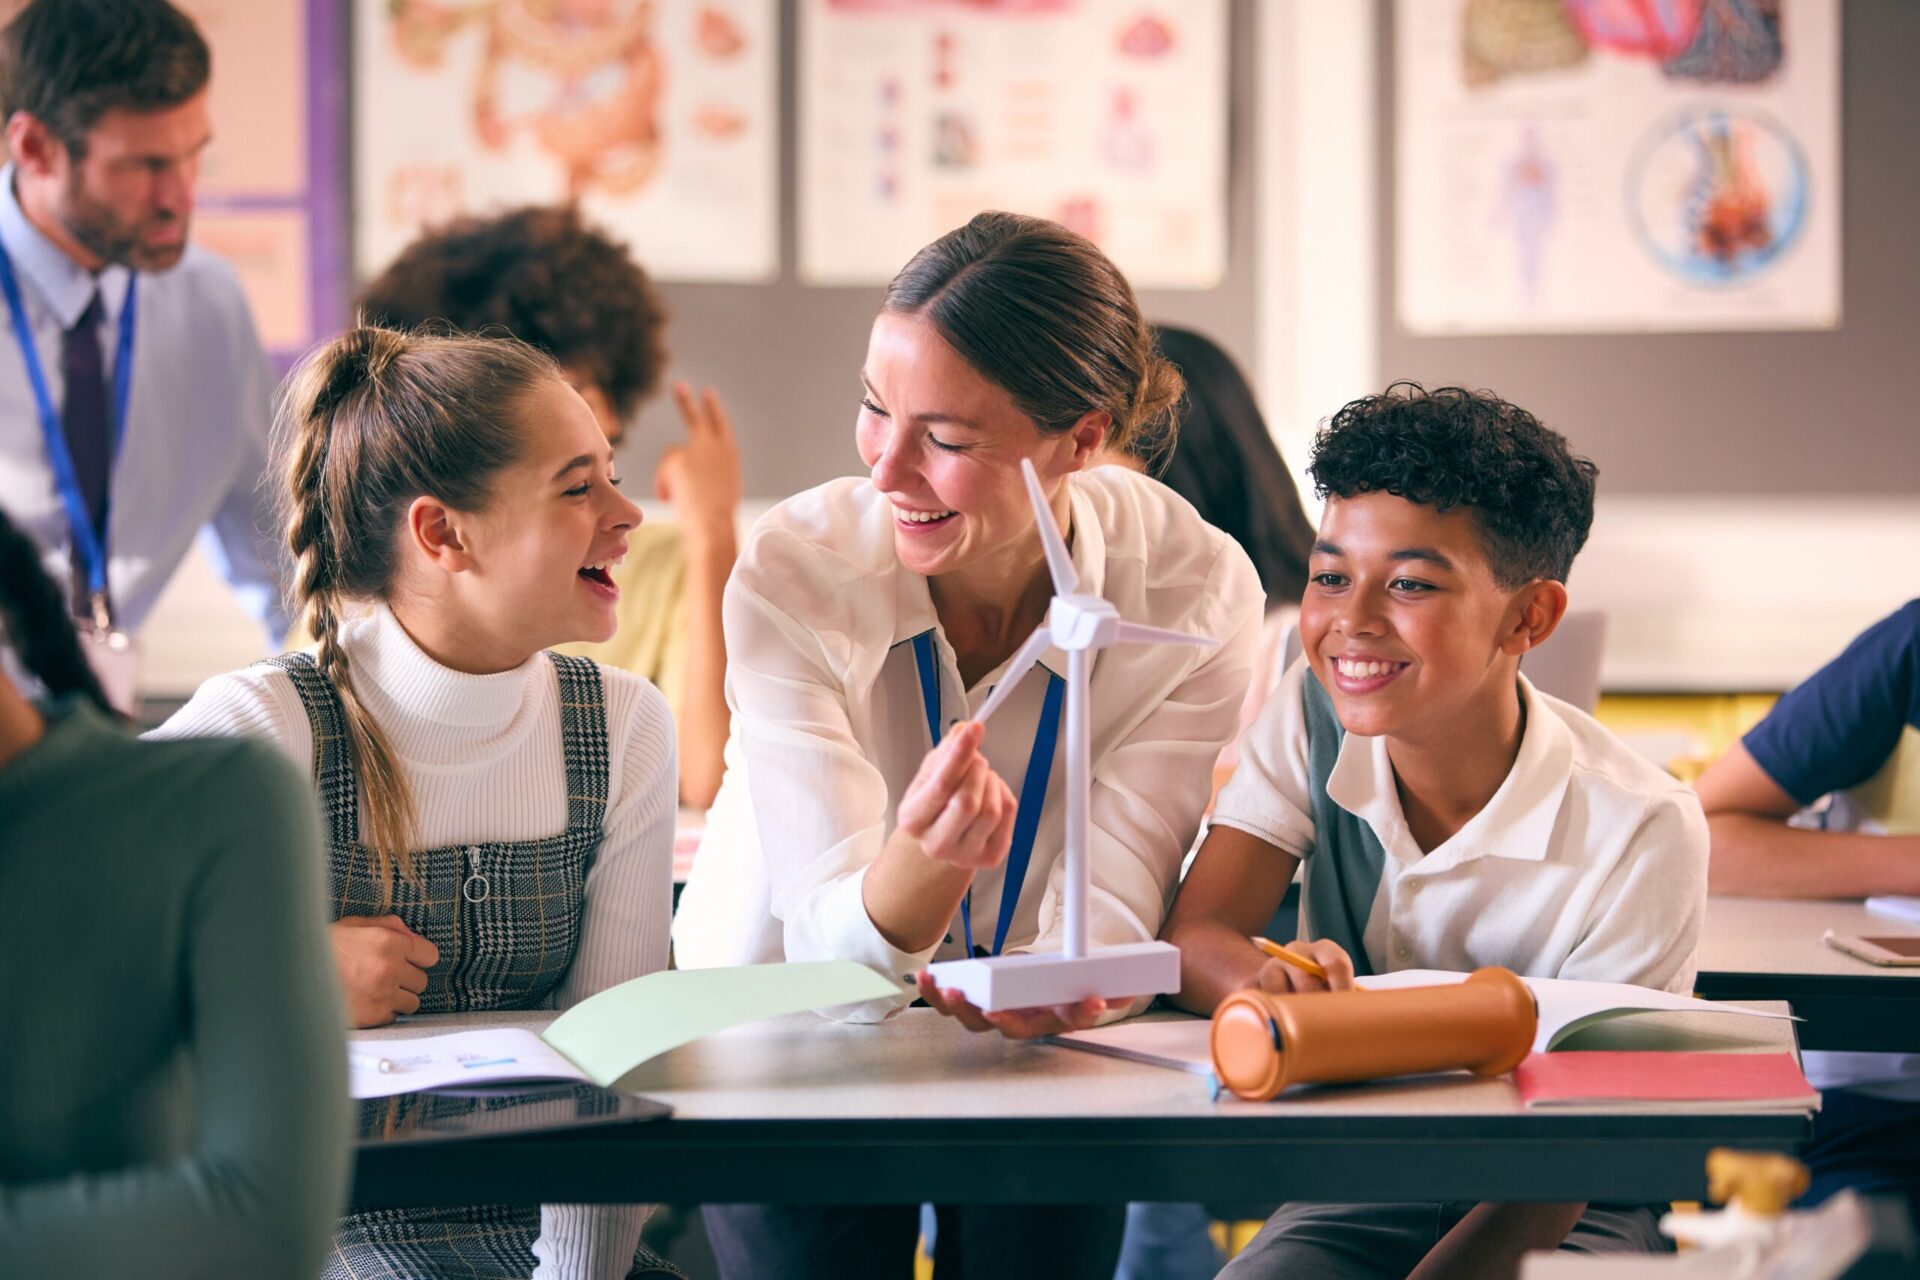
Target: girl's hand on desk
[(957, 807), (382, 965), (1014, 1024), (1280, 978)]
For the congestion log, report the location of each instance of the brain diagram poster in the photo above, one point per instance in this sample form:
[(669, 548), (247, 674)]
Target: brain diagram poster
[(1615, 165), (658, 116), (1106, 115)]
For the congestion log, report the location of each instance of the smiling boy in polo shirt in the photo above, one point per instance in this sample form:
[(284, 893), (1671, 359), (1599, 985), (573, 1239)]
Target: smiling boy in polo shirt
[(1449, 814)]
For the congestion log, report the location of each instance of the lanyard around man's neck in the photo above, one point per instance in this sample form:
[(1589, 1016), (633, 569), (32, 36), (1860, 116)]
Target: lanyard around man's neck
[(88, 544)]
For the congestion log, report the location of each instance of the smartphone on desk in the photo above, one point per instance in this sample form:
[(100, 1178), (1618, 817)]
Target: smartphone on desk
[(1903, 952)]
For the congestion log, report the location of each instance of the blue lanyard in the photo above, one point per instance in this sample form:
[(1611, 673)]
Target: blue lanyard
[(1033, 788), (87, 543)]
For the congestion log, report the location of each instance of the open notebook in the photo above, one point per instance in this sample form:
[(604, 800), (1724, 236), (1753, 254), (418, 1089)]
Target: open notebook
[(1566, 1006), (607, 1035)]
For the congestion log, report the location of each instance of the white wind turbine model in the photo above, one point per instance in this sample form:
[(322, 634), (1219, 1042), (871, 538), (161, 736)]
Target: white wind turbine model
[(1080, 624)]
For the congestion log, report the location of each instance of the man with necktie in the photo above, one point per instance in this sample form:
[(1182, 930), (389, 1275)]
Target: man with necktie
[(134, 393)]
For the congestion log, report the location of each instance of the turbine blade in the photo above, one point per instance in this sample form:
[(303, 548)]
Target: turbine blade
[(1137, 633), (1059, 563), (1023, 660)]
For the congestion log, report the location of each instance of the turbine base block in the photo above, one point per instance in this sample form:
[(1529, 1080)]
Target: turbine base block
[(997, 983)]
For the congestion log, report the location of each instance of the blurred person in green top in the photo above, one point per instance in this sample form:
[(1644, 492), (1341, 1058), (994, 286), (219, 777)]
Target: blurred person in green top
[(551, 280), (175, 1096)]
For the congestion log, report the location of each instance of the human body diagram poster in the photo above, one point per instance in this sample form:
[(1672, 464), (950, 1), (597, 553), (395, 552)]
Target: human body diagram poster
[(1107, 115), (657, 116), (1613, 165)]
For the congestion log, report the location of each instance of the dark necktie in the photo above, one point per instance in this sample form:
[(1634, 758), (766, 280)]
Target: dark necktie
[(83, 414)]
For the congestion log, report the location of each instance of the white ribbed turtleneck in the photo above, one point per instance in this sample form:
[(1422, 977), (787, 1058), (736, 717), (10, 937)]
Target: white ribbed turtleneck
[(482, 756)]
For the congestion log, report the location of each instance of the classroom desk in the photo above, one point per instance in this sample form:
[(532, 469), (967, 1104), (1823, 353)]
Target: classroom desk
[(800, 1110), (1770, 949)]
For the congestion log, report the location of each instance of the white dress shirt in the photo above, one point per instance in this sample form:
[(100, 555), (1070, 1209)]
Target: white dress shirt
[(829, 727), (1588, 862), (481, 755), (190, 455)]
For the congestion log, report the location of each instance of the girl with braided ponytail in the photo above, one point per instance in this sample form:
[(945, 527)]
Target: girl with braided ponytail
[(200, 861), (864, 815), (500, 817)]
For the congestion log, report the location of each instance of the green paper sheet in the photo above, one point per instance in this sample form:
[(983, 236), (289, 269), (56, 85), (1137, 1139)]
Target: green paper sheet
[(610, 1034)]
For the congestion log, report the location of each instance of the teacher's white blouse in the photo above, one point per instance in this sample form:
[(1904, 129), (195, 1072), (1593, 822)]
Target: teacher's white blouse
[(829, 727)]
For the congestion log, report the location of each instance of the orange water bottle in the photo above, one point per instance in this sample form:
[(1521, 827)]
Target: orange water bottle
[(1263, 1042)]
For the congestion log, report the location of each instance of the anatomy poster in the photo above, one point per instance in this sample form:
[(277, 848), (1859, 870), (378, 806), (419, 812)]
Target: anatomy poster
[(1614, 165), (1107, 115), (657, 116)]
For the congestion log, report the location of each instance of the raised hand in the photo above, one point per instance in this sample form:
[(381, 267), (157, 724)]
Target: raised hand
[(700, 478)]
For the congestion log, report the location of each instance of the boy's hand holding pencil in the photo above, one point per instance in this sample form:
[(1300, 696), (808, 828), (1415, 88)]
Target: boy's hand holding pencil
[(1305, 966)]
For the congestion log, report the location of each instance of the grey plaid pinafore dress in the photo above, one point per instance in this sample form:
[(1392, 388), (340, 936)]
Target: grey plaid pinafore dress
[(506, 918)]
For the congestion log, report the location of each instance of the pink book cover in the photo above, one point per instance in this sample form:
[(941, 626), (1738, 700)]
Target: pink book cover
[(1670, 1081)]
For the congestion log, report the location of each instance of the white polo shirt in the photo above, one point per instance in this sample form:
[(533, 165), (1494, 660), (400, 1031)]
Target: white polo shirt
[(1588, 862), (830, 725)]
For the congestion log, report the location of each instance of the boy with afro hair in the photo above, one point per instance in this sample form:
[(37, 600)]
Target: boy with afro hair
[(1449, 815)]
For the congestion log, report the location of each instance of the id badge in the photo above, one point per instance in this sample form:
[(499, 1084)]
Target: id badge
[(115, 659)]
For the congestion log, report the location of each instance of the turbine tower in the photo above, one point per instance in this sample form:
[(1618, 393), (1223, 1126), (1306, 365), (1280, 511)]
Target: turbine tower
[(1079, 624)]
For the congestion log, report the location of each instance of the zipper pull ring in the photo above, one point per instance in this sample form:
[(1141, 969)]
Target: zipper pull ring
[(475, 888)]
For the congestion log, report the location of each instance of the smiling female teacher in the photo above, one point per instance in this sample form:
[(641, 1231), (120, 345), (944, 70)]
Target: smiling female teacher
[(857, 819)]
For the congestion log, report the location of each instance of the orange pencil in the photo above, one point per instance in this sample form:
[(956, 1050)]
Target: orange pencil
[(1269, 947)]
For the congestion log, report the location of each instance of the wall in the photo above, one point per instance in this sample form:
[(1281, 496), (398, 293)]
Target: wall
[(786, 357), (1757, 503), (1743, 414)]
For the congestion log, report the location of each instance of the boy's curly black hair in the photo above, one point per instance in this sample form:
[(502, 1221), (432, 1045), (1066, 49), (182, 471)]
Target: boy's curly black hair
[(544, 275), (1450, 448)]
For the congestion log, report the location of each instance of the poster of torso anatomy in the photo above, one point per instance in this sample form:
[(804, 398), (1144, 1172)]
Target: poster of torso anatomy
[(1615, 165), (658, 116), (1107, 115)]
